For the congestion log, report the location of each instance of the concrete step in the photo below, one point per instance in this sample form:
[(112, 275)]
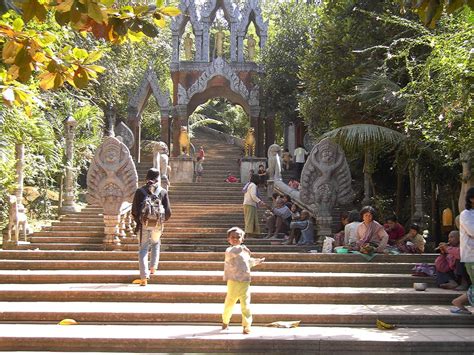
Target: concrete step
[(182, 293), (308, 314), (205, 338), (205, 277), (72, 239), (384, 268), (76, 233), (60, 246), (74, 227), (215, 256)]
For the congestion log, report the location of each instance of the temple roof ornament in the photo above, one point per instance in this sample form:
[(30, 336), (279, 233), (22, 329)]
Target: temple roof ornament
[(150, 83), (218, 67), (188, 13), (245, 19), (210, 7)]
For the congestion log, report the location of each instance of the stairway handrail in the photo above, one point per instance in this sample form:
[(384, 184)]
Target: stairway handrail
[(230, 139), (282, 188)]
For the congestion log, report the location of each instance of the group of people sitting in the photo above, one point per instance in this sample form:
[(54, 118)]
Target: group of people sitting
[(285, 220), (363, 233)]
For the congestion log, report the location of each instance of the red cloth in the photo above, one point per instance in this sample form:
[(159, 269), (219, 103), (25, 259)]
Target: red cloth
[(396, 233), (201, 153), (231, 178)]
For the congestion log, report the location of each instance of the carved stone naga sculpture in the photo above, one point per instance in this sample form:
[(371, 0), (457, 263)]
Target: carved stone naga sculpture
[(274, 162), (326, 178), (111, 182)]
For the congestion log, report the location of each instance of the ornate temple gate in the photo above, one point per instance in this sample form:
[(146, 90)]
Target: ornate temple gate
[(203, 75)]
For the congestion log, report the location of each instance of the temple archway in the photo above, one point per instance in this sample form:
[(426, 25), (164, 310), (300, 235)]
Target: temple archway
[(149, 86)]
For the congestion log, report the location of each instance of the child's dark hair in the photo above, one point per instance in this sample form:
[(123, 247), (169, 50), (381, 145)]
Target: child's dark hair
[(415, 227)]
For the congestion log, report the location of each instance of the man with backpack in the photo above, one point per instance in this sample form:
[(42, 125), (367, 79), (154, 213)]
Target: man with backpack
[(150, 209)]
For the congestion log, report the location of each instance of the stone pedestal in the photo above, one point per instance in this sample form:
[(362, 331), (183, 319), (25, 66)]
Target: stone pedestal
[(270, 185), (111, 231), (323, 225), (182, 169), (248, 163)]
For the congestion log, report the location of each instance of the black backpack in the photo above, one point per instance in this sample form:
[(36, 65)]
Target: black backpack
[(152, 214)]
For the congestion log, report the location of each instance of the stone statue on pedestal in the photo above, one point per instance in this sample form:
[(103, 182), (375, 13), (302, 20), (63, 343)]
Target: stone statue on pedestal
[(184, 141), (250, 143), (188, 47), (325, 182), (251, 43), (219, 43), (161, 162), (111, 182), (274, 162)]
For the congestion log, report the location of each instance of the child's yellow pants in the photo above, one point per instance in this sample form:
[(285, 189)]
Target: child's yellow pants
[(237, 291)]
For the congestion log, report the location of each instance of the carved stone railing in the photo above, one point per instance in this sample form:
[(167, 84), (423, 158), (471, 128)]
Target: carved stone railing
[(126, 225)]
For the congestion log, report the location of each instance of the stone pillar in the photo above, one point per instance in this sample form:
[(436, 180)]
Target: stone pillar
[(68, 204), (20, 163), (181, 119), (257, 125), (291, 140), (240, 47), (269, 131), (175, 53), (233, 42), (205, 42), (418, 212), (110, 120), (165, 129), (134, 124), (198, 39)]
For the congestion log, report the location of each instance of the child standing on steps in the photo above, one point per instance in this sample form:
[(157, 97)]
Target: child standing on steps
[(237, 274), (199, 169)]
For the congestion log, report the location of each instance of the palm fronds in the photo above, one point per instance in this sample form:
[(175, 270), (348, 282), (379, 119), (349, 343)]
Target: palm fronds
[(365, 136)]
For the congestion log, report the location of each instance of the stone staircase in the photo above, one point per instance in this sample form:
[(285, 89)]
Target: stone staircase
[(64, 274)]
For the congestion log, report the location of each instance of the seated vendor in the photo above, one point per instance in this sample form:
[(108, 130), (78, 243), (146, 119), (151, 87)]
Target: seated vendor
[(394, 229), (370, 233)]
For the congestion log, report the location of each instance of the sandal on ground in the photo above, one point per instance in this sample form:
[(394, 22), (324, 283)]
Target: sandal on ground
[(459, 310)]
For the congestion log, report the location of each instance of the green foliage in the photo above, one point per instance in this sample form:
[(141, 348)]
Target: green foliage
[(439, 94), (430, 11), (287, 42), (229, 118)]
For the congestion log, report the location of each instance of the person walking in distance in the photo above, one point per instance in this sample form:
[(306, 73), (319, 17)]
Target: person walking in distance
[(299, 155), (150, 209)]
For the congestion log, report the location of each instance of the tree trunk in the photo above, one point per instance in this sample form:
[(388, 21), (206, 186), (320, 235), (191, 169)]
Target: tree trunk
[(398, 206)]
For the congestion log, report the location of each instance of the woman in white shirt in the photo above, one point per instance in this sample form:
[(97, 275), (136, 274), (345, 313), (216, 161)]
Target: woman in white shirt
[(466, 232), (251, 201)]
